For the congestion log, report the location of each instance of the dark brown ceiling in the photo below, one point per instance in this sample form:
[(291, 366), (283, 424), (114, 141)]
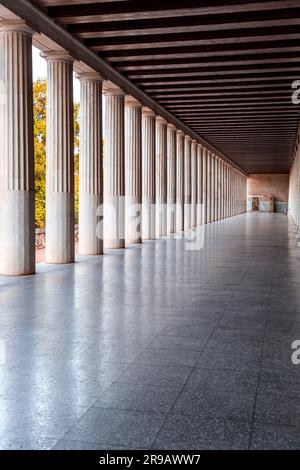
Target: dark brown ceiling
[(224, 68)]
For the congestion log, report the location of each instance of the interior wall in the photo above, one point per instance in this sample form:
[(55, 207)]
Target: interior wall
[(276, 185)]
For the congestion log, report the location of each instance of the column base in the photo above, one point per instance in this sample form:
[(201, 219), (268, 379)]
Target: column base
[(90, 231), (60, 244), (133, 219), (114, 222), (161, 219), (17, 235), (187, 216), (179, 215), (171, 217), (148, 218)]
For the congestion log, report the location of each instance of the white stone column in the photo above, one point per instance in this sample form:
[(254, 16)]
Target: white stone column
[(208, 186), (212, 188), (199, 215), (227, 190), (218, 189), (114, 168), (217, 192), (148, 174), (133, 170), (194, 184), (161, 177), (222, 189), (90, 165), (204, 185), (187, 182), (230, 193), (17, 237), (171, 178), (59, 158), (180, 182)]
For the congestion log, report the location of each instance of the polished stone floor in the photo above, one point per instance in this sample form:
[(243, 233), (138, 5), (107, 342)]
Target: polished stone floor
[(158, 346)]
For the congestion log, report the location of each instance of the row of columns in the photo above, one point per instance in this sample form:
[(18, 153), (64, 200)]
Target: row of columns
[(294, 185), (154, 179)]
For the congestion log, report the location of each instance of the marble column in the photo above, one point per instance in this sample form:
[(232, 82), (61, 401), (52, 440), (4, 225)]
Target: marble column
[(187, 182), (194, 184), (212, 188), (17, 237), (171, 178), (59, 158), (204, 185), (90, 165), (161, 177), (230, 193), (133, 170), (218, 188), (148, 174), (227, 190), (216, 192), (235, 193), (199, 215), (180, 182), (114, 168), (222, 190), (208, 186)]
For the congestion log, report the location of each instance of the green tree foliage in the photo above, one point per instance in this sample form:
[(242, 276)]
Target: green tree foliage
[(39, 113), (76, 159)]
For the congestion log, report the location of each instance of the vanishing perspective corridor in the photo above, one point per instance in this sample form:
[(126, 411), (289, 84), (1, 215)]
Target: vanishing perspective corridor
[(158, 346)]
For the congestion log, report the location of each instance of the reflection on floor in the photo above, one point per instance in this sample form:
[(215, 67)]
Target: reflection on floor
[(158, 346)]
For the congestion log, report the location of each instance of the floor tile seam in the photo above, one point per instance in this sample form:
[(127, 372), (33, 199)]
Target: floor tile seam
[(258, 378)]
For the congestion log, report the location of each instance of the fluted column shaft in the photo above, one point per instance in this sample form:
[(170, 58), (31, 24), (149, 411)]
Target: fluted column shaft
[(222, 190), (17, 239), (194, 184), (59, 159), (180, 182), (204, 185), (230, 192), (114, 169), (187, 182), (133, 170), (218, 189), (90, 165), (199, 214), (212, 188), (215, 184), (208, 186), (171, 178), (148, 174), (161, 177), (227, 190)]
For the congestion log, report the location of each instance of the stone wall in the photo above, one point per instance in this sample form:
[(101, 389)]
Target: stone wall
[(276, 185)]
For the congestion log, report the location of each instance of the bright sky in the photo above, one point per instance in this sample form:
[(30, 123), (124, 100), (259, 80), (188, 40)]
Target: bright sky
[(39, 68)]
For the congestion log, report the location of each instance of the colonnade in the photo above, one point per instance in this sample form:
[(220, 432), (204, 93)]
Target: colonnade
[(154, 180), (294, 184)]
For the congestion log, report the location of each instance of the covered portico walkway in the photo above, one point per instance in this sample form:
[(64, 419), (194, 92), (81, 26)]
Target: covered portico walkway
[(158, 346)]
